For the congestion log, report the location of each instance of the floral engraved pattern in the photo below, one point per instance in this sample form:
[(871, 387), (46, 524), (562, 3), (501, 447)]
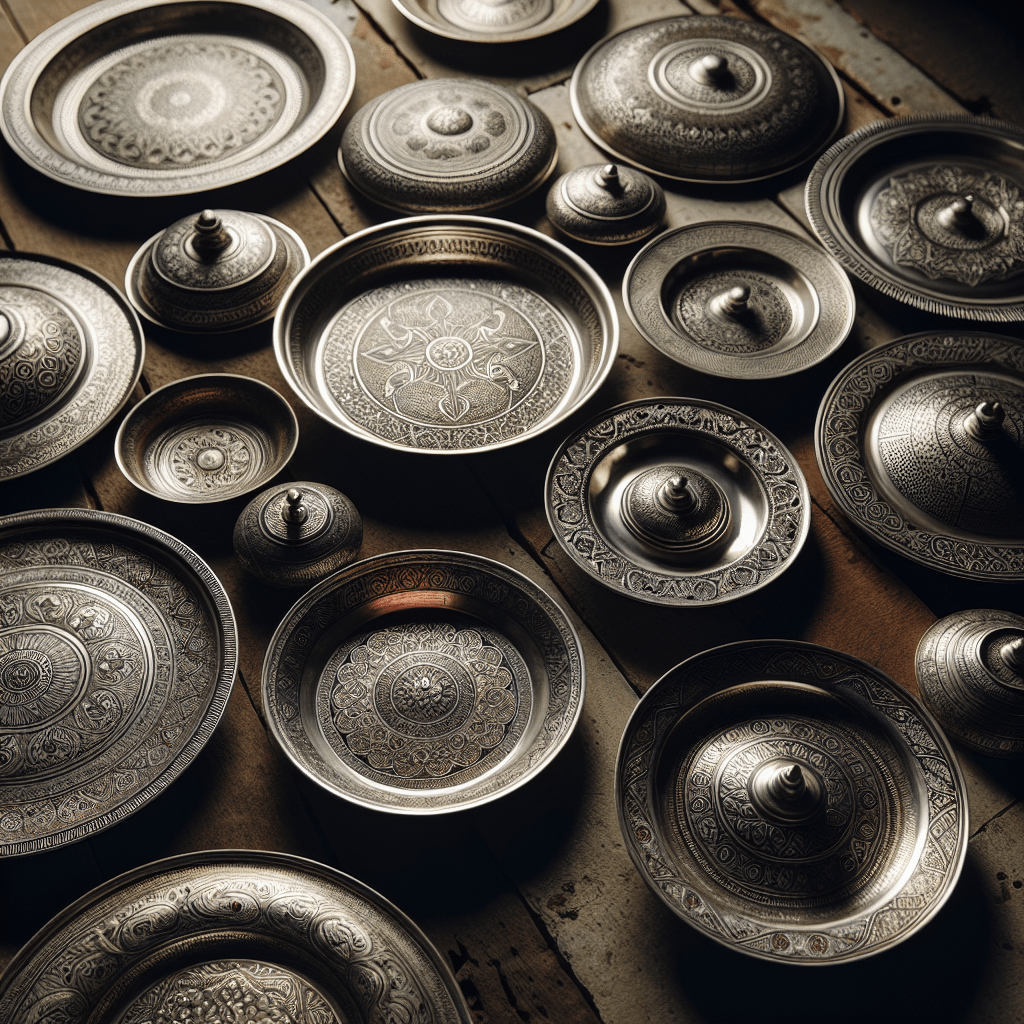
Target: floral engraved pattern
[(211, 459)]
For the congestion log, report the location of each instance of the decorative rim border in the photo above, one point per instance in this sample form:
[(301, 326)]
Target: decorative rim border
[(574, 10)]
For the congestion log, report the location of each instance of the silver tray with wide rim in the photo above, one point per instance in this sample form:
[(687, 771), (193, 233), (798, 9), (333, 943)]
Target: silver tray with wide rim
[(143, 98), (71, 351), (422, 682), (117, 657), (895, 442), (858, 853), (446, 334), (231, 935), (493, 21)]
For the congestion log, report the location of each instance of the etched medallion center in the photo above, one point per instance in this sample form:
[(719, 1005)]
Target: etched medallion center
[(448, 353), (425, 693), (42, 673), (449, 121), (210, 458)]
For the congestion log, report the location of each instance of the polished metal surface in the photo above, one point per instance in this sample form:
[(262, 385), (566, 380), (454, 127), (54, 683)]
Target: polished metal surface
[(679, 502), (207, 438), (298, 534), (446, 334), (448, 145), (494, 21), (928, 210), (71, 351), (422, 682), (921, 444), (791, 802), (117, 657), (970, 667), (708, 99), (232, 935), (144, 98), (739, 300)]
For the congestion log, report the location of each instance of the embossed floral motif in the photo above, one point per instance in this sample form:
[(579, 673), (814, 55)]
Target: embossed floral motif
[(212, 459)]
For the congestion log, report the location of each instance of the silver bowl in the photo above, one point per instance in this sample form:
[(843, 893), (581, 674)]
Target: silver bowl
[(493, 21)]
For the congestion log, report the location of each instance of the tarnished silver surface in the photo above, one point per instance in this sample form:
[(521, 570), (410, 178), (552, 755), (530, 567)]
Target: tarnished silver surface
[(446, 334), (117, 656), (144, 98), (218, 270), (929, 210), (71, 351), (739, 300), (791, 802), (422, 682), (207, 438), (298, 534), (921, 443), (232, 935), (493, 21), (710, 99), (448, 145), (970, 667), (677, 502)]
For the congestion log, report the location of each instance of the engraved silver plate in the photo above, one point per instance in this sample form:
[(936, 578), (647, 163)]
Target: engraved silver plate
[(71, 351), (231, 936), (928, 210), (136, 98), (423, 681), (117, 656), (791, 802), (493, 21), (446, 334), (739, 300), (678, 502), (911, 455)]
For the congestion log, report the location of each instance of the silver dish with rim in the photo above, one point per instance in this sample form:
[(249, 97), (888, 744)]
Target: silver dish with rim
[(493, 21)]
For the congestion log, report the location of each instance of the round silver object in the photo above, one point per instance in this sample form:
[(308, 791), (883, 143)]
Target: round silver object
[(296, 535), (208, 438), (458, 145), (71, 352), (791, 802), (970, 667), (232, 935), (117, 657), (921, 444), (423, 682), (739, 300), (928, 210), (493, 21), (446, 334), (708, 99), (219, 270), (677, 502), (144, 98)]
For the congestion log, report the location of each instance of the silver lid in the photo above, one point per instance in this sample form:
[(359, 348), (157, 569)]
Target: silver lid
[(493, 21)]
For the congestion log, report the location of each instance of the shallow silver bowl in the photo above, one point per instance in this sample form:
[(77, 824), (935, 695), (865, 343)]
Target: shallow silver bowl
[(493, 21)]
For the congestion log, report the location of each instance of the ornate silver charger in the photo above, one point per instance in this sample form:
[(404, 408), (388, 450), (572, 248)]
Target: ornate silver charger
[(71, 351), (791, 802), (144, 98), (928, 210), (493, 21), (231, 935), (117, 656), (921, 444), (739, 300), (423, 682), (446, 334), (677, 502), (707, 99)]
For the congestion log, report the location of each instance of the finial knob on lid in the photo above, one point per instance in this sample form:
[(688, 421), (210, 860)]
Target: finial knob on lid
[(986, 420), (712, 69)]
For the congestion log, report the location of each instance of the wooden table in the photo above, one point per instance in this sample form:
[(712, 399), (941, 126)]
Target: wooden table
[(533, 899)]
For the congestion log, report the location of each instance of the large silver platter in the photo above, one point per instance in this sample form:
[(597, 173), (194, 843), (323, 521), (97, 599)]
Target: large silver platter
[(446, 334), (71, 351), (493, 21), (117, 657), (896, 450), (862, 855), (144, 98), (231, 935), (422, 682)]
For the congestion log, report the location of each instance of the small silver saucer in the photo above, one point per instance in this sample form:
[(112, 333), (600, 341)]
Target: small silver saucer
[(677, 502), (493, 21)]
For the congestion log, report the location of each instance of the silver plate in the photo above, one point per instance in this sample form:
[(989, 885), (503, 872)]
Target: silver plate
[(423, 682), (117, 657), (934, 494), (446, 334), (493, 21), (869, 862), (71, 351), (794, 305), (142, 98), (231, 935)]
